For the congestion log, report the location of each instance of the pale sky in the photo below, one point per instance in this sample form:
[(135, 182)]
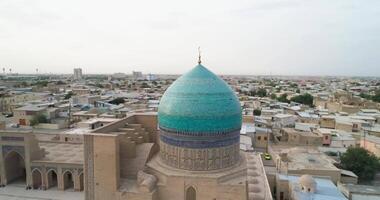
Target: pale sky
[(254, 37)]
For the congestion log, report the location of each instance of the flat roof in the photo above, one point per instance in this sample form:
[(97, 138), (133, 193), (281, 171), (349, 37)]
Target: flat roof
[(62, 153), (30, 108), (363, 189), (326, 190), (302, 157), (247, 128)]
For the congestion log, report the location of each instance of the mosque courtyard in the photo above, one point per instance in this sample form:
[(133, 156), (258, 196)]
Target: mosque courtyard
[(18, 192)]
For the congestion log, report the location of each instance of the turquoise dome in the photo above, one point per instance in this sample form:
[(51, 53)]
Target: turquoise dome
[(199, 102)]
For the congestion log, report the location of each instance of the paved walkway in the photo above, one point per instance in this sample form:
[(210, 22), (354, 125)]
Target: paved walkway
[(15, 192)]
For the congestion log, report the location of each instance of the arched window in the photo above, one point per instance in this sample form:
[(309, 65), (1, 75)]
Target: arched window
[(36, 179), (191, 194)]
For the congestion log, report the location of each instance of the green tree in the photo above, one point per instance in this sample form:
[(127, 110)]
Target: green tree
[(361, 162), (273, 96), (256, 112), (68, 95), (41, 83), (60, 82), (39, 118), (261, 92), (99, 85), (117, 101), (145, 85), (305, 99), (293, 85), (283, 98), (24, 84), (250, 93), (376, 98)]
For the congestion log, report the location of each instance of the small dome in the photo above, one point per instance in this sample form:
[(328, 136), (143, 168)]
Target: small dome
[(308, 183), (199, 102)]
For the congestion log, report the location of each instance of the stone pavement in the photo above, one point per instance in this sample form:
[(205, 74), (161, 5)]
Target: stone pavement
[(15, 192)]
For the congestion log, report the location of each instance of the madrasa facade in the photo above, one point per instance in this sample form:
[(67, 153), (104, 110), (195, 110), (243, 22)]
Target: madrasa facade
[(189, 150)]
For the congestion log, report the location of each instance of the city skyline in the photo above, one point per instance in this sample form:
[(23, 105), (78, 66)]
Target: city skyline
[(292, 37)]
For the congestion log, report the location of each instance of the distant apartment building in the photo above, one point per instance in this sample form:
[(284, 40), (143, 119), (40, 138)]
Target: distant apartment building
[(151, 77), (78, 74), (137, 75)]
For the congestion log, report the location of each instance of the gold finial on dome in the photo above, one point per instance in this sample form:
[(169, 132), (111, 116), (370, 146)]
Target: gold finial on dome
[(199, 55)]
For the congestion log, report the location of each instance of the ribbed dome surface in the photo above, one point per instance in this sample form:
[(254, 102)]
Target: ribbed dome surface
[(199, 102)]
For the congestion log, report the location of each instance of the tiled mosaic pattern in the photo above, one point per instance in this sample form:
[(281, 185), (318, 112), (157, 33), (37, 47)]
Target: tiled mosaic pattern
[(201, 102)]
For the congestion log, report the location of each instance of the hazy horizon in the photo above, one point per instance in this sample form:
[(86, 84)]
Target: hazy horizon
[(243, 37)]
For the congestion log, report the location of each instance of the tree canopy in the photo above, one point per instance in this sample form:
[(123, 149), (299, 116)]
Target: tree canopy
[(39, 118), (117, 101), (68, 95), (375, 98), (360, 161), (256, 112), (305, 99), (261, 92), (283, 98)]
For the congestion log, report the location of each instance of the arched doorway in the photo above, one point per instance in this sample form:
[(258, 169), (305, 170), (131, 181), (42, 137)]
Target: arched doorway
[(37, 179), (191, 194), (52, 179), (68, 180), (15, 168)]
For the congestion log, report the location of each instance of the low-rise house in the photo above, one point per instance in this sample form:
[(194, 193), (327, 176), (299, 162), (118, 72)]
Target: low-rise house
[(85, 99), (360, 192), (284, 120), (305, 117), (349, 123), (337, 138), (95, 123), (270, 112), (11, 100), (371, 113), (81, 91), (327, 121), (261, 137), (301, 137), (348, 177), (371, 143), (372, 130), (84, 115), (305, 160), (25, 114), (306, 187)]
